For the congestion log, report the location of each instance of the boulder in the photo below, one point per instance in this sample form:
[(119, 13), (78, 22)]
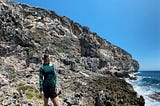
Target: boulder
[(155, 96)]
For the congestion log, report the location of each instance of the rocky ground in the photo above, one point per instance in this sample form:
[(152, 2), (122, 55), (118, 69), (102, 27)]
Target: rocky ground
[(89, 68), (79, 88)]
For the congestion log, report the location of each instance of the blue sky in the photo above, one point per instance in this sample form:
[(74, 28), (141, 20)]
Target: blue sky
[(133, 25)]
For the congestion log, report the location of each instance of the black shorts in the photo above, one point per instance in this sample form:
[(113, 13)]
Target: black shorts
[(49, 92)]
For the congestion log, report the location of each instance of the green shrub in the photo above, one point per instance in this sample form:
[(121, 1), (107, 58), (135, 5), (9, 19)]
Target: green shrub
[(30, 91), (60, 97), (13, 75), (31, 53), (32, 94)]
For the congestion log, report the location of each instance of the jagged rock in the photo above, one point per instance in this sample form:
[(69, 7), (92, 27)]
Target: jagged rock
[(90, 63), (16, 94), (141, 101), (3, 51), (82, 60), (35, 60), (155, 96), (6, 102), (73, 99), (99, 99), (6, 1), (89, 46), (89, 43), (133, 78), (121, 74), (4, 82)]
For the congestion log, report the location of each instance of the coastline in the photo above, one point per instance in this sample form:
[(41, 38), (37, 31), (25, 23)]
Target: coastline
[(89, 67), (148, 94)]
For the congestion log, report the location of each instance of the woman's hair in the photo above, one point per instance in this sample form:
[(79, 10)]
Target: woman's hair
[(45, 57)]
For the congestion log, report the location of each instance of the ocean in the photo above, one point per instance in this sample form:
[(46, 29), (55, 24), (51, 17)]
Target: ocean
[(147, 84)]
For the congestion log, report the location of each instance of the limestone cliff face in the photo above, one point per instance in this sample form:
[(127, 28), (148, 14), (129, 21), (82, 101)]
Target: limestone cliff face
[(26, 33), (39, 29)]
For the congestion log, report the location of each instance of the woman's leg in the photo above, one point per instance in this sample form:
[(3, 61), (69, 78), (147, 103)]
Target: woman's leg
[(45, 101), (55, 101)]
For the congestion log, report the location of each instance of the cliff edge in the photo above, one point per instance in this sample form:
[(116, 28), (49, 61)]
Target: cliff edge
[(88, 66)]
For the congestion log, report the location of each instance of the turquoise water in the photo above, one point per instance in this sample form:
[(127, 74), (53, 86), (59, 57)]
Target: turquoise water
[(149, 79)]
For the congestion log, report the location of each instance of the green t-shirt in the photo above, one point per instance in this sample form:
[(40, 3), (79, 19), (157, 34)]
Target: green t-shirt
[(47, 77)]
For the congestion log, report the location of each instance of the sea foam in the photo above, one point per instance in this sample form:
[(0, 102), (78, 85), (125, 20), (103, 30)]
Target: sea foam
[(145, 89)]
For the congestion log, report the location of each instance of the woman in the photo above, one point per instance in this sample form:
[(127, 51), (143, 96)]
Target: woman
[(48, 82)]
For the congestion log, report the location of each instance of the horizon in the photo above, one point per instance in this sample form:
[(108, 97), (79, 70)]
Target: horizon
[(147, 70), (132, 25)]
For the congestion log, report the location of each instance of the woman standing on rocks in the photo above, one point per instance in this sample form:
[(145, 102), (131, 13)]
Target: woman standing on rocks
[(48, 82)]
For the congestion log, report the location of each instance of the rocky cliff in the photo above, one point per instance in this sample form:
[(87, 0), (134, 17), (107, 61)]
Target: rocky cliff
[(88, 66)]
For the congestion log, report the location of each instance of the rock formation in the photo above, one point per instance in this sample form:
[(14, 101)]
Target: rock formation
[(88, 66)]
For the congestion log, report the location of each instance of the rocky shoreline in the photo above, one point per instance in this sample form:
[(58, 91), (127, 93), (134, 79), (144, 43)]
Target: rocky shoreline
[(90, 69)]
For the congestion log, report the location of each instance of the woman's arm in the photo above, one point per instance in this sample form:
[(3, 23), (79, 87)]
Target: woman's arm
[(56, 80), (41, 79)]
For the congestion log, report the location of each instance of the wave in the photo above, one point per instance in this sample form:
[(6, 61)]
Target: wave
[(146, 86), (145, 92), (150, 81)]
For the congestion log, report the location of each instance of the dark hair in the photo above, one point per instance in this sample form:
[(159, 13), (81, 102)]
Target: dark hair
[(45, 57)]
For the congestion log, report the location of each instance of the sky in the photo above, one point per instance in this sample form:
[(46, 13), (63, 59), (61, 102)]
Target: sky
[(133, 25)]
